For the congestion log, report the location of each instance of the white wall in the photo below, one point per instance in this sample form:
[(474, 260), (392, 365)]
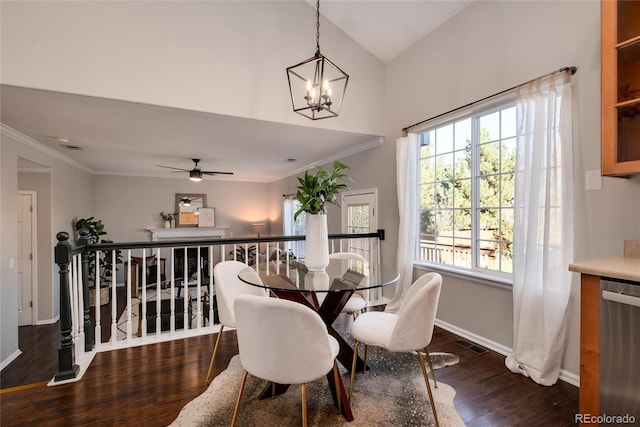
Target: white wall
[(128, 206), (70, 195), (226, 57), (488, 47)]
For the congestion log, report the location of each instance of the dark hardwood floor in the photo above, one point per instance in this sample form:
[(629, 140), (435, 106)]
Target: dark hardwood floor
[(39, 345), (147, 386)]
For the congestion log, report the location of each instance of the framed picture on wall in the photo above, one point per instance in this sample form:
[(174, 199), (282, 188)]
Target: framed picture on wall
[(206, 217)]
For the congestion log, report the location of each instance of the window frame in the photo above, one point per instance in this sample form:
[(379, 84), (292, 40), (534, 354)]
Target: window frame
[(474, 112), (289, 207)]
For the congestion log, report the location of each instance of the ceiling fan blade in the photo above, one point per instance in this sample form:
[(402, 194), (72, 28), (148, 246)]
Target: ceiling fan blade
[(216, 173), (178, 169)]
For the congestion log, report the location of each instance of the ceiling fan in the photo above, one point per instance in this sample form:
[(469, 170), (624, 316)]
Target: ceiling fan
[(196, 173)]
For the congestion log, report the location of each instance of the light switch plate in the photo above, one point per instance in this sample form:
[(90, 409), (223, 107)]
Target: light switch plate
[(593, 180)]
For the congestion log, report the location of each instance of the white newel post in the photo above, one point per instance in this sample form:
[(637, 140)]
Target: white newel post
[(317, 243)]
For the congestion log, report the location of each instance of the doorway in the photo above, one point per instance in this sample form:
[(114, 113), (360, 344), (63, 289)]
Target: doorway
[(359, 211), (27, 238), (359, 215)]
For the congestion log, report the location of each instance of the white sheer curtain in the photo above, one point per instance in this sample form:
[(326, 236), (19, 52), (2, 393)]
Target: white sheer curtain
[(543, 230), (407, 181)]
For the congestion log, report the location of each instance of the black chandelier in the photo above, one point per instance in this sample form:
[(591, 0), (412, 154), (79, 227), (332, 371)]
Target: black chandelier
[(317, 85)]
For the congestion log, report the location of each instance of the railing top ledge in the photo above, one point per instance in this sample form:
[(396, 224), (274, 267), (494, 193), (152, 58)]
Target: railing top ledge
[(227, 241)]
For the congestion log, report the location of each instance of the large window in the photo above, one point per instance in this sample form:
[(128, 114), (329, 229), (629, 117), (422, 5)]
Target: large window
[(467, 189)]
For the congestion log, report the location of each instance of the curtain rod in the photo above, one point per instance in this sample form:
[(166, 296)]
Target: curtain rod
[(571, 70)]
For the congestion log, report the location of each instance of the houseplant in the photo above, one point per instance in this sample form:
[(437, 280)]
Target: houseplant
[(95, 231), (314, 193), (167, 218)]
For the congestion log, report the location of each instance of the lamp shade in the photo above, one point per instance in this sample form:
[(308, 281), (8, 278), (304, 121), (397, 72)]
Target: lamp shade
[(258, 227), (317, 87)]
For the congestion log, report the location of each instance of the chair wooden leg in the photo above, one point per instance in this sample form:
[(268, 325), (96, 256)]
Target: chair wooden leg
[(353, 369), (303, 390), (336, 378), (213, 356), (426, 380), (236, 411), (433, 373)]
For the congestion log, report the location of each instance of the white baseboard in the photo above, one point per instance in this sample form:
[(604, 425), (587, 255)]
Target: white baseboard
[(10, 359), (566, 376), (484, 342), (570, 378), (48, 321)]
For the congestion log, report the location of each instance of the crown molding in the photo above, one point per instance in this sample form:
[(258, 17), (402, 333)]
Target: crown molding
[(35, 145), (367, 145), (34, 170)]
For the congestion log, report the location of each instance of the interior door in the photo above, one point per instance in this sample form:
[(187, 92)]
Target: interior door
[(359, 216), (26, 233)]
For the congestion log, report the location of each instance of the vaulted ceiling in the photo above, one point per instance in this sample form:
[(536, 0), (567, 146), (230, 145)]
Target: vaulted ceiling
[(128, 138)]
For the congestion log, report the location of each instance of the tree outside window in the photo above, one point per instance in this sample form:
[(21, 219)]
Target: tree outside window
[(467, 190)]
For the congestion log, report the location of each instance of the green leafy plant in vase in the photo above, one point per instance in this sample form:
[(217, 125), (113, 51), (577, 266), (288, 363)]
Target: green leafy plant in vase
[(94, 231), (318, 190), (314, 193)]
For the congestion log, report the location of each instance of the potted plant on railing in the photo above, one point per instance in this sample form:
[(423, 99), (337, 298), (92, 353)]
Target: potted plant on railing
[(94, 232), (315, 192)]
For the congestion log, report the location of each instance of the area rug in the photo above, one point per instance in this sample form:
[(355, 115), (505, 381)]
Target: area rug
[(391, 393)]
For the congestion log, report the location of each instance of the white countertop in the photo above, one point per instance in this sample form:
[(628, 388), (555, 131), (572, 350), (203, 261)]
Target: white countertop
[(624, 268)]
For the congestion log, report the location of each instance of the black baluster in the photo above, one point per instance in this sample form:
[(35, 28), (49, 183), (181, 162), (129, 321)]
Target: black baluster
[(89, 341), (66, 367)]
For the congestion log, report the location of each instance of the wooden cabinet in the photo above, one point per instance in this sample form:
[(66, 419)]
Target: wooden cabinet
[(620, 65), (627, 269)]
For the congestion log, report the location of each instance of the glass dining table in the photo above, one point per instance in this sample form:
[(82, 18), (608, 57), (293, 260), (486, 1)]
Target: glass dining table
[(326, 292)]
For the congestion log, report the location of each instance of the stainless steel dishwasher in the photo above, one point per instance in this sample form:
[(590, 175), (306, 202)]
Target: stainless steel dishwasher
[(620, 348)]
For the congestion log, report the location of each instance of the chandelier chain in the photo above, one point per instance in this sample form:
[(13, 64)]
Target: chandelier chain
[(317, 27)]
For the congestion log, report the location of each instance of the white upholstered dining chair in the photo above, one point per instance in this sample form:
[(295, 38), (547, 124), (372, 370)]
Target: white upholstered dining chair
[(228, 287), (284, 342), (408, 330), (360, 298)]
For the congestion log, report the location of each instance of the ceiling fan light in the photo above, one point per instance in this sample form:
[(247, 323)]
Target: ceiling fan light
[(195, 175)]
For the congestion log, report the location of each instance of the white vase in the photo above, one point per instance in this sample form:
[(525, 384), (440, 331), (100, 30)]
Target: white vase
[(317, 281), (316, 252), (167, 224)]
